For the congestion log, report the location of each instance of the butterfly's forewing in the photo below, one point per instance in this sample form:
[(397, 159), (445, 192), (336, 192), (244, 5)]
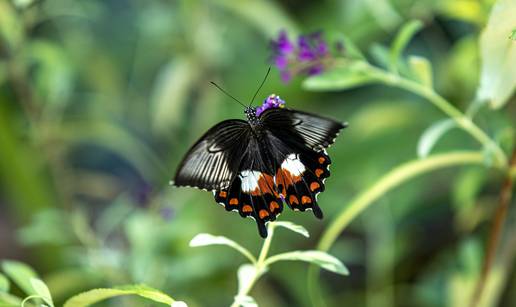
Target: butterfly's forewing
[(311, 130), (214, 160)]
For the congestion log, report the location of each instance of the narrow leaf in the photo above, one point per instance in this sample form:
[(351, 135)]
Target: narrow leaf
[(179, 304), (349, 75), (42, 290), (205, 239), (432, 134), (422, 70), (4, 283), (96, 295), (322, 259), (498, 55), (294, 227), (401, 41), (21, 274)]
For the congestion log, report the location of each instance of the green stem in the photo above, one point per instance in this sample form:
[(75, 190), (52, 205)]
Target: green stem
[(394, 178), (462, 120), (260, 265)]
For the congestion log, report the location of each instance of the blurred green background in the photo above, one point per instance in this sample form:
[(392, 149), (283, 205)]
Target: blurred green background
[(99, 100)]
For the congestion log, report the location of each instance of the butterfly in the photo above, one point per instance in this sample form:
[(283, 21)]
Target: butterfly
[(255, 166)]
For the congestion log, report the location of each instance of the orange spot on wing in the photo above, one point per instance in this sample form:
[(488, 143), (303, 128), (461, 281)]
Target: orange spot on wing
[(263, 213), (314, 186), (265, 186), (223, 194), (247, 209), (284, 179), (273, 205), (293, 200), (318, 172), (306, 200), (233, 201), (321, 160)]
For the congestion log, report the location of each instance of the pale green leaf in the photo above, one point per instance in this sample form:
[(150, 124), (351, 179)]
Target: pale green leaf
[(432, 134), (179, 304), (401, 41), (42, 290), (294, 227), (498, 54), (422, 70), (322, 259), (205, 239), (4, 283), (513, 35), (466, 10), (380, 55), (20, 273), (348, 75), (96, 295)]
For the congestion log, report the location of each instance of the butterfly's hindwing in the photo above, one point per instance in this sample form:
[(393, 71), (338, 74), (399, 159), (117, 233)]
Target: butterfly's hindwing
[(253, 194)]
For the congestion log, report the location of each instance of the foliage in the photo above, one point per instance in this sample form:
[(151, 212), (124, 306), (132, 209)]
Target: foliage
[(99, 100)]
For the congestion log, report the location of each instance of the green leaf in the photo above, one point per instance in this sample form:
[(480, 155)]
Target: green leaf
[(9, 300), (350, 49), (422, 70), (294, 227), (348, 75), (380, 55), (96, 295), (322, 259), (513, 35), (205, 239), (498, 54), (4, 283), (401, 41), (431, 135), (42, 290), (21, 274)]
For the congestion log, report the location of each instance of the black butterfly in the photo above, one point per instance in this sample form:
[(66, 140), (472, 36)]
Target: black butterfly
[(277, 156)]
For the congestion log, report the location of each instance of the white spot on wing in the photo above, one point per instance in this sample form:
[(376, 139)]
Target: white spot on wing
[(249, 180), (293, 165)]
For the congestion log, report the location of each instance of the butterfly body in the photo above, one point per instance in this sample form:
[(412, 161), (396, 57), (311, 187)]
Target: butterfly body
[(254, 167)]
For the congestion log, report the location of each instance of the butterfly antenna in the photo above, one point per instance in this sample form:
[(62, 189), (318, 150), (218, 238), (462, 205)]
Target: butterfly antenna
[(222, 90), (260, 87)]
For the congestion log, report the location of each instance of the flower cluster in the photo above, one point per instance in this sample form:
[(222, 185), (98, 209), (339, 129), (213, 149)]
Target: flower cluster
[(304, 58), (271, 102)]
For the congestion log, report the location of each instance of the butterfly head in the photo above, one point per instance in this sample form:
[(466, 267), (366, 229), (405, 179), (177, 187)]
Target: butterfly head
[(250, 113)]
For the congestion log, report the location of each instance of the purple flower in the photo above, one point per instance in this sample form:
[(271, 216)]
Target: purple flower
[(307, 57), (271, 102)]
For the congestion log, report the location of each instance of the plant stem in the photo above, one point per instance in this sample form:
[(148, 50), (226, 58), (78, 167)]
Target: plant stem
[(495, 232), (424, 91), (394, 178), (260, 265)]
